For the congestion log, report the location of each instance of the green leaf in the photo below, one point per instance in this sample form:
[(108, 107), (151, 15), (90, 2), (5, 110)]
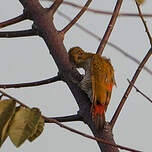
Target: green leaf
[(7, 109), (36, 115), (23, 125), (38, 130)]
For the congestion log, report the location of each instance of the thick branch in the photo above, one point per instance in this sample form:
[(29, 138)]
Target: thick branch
[(31, 84), (110, 27), (114, 118)]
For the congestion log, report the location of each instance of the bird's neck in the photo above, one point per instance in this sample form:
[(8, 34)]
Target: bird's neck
[(86, 65)]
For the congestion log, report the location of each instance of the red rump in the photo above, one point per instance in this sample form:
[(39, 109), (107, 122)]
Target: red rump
[(110, 87), (98, 116), (99, 109)]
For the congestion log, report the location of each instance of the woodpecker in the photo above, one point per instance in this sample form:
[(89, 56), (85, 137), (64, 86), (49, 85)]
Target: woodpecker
[(97, 82)]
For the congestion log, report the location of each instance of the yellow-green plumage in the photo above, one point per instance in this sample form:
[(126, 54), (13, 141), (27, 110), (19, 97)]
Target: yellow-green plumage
[(97, 82)]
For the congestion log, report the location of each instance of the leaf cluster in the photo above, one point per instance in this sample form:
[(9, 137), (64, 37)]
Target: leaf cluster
[(19, 123)]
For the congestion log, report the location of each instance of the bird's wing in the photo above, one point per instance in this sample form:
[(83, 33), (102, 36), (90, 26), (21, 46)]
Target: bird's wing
[(102, 80)]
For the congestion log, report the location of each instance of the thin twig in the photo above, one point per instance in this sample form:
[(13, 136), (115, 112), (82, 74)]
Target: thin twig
[(71, 129), (13, 21), (76, 117), (109, 43), (55, 6), (110, 27), (140, 91), (116, 114), (13, 98), (103, 12), (31, 84), (77, 17), (91, 137), (144, 22), (129, 56), (13, 34)]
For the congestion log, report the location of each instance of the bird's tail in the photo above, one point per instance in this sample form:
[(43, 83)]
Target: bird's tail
[(98, 116)]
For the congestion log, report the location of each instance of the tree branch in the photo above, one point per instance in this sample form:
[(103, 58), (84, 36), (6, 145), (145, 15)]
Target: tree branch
[(76, 117), (13, 98), (22, 33), (55, 6), (77, 17), (129, 56), (115, 116), (12, 21), (145, 25), (94, 138), (31, 84), (110, 27), (140, 91)]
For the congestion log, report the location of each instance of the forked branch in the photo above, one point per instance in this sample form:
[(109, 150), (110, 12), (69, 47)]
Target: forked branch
[(140, 92)]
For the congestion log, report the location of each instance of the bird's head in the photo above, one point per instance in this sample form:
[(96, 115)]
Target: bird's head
[(76, 56)]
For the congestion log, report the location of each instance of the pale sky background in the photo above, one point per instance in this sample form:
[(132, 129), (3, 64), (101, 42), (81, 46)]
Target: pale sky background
[(28, 59)]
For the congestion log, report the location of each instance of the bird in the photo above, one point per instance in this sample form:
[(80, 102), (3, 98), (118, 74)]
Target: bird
[(97, 82)]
